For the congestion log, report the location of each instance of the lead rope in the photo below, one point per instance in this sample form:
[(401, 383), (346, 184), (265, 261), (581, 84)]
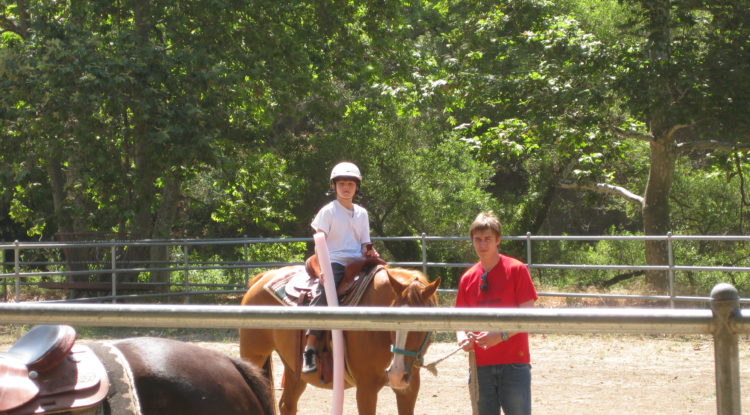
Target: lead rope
[(432, 367)]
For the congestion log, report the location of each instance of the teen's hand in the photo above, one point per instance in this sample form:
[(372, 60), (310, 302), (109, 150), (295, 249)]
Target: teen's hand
[(487, 339)]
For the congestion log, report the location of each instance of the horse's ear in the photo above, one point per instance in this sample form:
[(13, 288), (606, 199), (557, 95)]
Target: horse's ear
[(397, 286), (430, 289)]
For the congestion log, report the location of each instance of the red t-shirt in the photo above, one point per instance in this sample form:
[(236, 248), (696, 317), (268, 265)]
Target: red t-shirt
[(508, 285)]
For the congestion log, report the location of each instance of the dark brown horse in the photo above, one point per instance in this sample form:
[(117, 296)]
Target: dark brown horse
[(369, 359), (159, 377)]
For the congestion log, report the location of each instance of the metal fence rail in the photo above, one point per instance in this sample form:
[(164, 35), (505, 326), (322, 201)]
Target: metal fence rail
[(725, 321), (18, 270)]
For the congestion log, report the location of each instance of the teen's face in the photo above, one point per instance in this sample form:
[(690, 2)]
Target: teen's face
[(346, 189), (485, 243)]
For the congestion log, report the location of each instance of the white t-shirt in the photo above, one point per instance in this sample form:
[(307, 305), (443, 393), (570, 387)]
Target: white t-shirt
[(346, 230)]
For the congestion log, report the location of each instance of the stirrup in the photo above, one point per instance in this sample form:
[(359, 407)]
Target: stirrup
[(309, 363)]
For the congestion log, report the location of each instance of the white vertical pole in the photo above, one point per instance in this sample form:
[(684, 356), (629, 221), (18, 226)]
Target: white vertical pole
[(321, 250)]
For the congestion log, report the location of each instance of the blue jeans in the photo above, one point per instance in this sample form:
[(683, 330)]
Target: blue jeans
[(504, 386)]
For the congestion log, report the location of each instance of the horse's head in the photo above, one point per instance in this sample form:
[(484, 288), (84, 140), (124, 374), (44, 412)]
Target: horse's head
[(412, 290)]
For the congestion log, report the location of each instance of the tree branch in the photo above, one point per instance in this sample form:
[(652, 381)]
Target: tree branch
[(19, 26), (712, 145), (7, 25), (633, 134), (620, 278), (677, 127), (605, 188)]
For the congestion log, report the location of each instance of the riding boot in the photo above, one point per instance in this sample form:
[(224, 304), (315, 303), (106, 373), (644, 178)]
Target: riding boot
[(309, 361)]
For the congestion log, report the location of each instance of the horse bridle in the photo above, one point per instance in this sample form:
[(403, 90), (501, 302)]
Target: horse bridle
[(418, 355)]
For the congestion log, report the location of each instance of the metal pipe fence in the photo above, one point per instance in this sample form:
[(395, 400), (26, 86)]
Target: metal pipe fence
[(725, 322), (114, 267)]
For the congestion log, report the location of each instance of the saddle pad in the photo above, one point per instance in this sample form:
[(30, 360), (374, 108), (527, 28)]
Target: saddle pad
[(288, 287), (122, 396)]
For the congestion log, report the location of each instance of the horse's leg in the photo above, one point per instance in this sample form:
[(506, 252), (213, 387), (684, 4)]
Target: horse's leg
[(367, 395), (406, 399), (368, 357), (256, 346), (293, 388)]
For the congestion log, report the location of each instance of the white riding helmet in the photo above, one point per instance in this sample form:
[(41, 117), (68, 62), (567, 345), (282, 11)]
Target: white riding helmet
[(346, 170)]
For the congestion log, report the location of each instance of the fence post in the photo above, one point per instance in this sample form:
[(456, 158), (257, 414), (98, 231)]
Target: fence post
[(186, 281), (725, 304), (113, 261), (424, 254), (670, 273), (528, 248), (247, 260), (5, 280), (17, 270)]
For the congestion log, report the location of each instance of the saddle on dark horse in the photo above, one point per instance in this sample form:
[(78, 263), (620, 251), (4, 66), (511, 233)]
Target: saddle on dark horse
[(46, 372)]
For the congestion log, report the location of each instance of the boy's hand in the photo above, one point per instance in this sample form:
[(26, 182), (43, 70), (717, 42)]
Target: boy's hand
[(370, 251)]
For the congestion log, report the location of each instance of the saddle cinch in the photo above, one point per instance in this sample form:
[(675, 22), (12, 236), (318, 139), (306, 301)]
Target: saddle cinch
[(46, 372)]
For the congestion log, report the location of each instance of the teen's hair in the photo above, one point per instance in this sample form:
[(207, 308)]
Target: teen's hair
[(484, 221)]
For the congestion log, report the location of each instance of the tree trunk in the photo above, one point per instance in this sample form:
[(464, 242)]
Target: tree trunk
[(57, 185), (154, 215), (656, 207), (165, 218), (663, 150)]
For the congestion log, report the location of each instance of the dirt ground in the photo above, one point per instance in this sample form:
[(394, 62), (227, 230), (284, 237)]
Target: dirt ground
[(584, 374), (572, 374)]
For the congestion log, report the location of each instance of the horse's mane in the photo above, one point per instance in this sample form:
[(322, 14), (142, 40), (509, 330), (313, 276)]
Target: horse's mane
[(415, 282)]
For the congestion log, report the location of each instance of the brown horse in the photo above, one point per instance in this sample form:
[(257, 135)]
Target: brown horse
[(45, 371), (177, 378), (370, 362)]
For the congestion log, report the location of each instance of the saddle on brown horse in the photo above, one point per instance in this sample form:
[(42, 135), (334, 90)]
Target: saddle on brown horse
[(45, 372), (296, 288)]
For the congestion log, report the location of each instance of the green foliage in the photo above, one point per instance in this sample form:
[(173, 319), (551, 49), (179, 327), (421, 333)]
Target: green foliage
[(231, 263), (216, 119), (605, 252), (257, 197)]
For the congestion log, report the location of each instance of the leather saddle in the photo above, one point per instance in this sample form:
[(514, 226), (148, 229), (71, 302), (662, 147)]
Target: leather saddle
[(46, 372), (351, 272)]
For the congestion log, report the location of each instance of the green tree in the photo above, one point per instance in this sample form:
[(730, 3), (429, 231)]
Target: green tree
[(553, 106), (113, 109), (683, 77)]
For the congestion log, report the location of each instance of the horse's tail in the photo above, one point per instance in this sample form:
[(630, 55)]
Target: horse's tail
[(268, 372), (259, 384)]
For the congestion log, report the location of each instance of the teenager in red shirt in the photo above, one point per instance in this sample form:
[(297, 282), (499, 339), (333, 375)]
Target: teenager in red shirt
[(503, 362)]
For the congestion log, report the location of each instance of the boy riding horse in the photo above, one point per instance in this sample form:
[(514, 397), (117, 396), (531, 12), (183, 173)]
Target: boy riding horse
[(347, 229)]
